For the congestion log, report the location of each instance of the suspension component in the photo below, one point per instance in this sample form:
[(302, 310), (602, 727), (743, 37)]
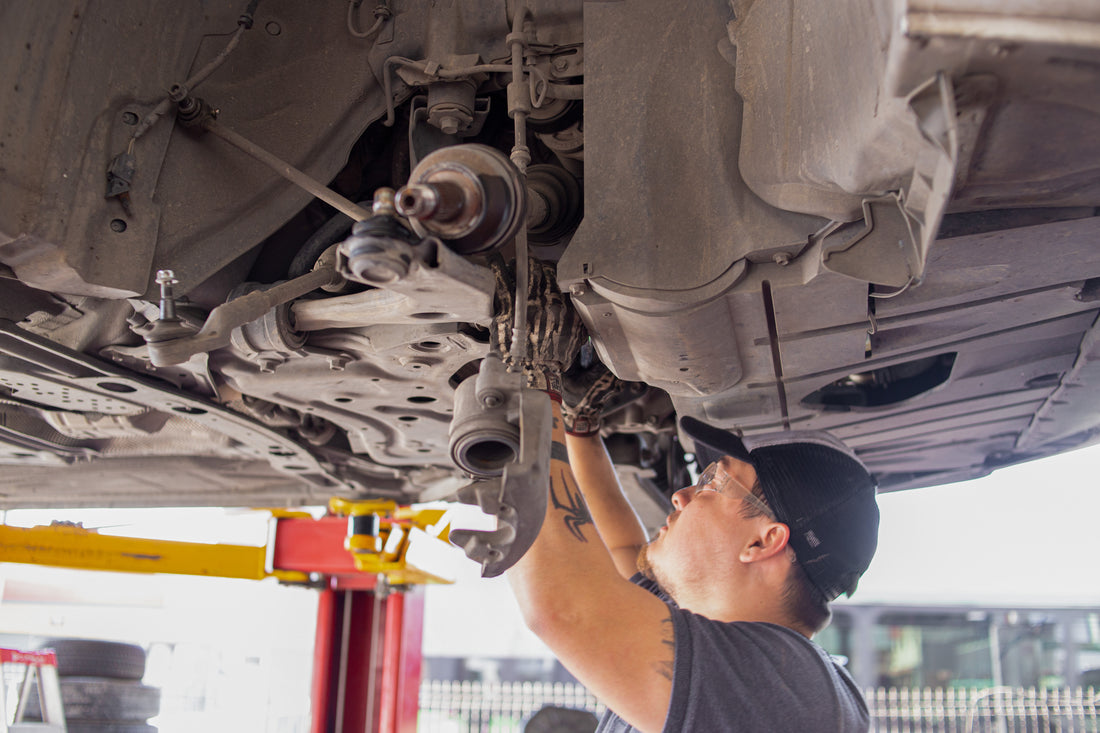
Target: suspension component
[(554, 205), (470, 196), (217, 331), (451, 105), (502, 435), (485, 428), (270, 339), (378, 252)]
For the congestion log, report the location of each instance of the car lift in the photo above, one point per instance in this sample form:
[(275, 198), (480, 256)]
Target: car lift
[(366, 559)]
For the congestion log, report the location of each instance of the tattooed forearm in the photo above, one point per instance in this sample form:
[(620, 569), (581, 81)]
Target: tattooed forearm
[(558, 452), (565, 497), (664, 667)]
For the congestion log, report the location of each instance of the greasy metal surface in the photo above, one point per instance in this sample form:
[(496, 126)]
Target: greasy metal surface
[(669, 150), (387, 386), (682, 222), (118, 388), (71, 75), (269, 91), (437, 286), (1025, 76), (485, 431), (492, 202), (1017, 332), (726, 150), (517, 499), (216, 331)]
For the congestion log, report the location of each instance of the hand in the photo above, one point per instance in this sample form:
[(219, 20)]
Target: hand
[(585, 416), (554, 330)]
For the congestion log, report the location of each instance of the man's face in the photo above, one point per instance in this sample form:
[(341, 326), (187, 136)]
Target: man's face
[(705, 530)]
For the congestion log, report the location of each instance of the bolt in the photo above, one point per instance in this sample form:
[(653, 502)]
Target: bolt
[(450, 125), (177, 93), (166, 279), (781, 258), (576, 289), (492, 398), (337, 363), (383, 202), (267, 366), (561, 63), (129, 118), (118, 225)]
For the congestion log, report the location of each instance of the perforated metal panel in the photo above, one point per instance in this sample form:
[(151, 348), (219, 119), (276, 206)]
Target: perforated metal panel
[(49, 393)]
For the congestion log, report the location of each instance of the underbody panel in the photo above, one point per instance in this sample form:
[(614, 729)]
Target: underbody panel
[(873, 217)]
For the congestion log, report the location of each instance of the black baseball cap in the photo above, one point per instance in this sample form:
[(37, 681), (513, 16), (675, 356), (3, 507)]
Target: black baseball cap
[(817, 486)]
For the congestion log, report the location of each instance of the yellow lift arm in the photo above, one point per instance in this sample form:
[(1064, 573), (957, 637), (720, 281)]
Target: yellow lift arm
[(357, 541)]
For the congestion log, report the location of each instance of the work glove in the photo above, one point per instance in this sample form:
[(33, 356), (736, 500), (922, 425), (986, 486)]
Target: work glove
[(585, 416), (554, 330)]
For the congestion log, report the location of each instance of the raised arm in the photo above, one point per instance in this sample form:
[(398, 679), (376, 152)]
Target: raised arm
[(619, 527), (614, 636), (616, 521)]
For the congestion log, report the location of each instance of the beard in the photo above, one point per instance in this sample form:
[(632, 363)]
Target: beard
[(643, 563), (647, 568)]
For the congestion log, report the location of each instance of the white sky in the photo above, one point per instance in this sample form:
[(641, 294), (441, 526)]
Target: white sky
[(1024, 535)]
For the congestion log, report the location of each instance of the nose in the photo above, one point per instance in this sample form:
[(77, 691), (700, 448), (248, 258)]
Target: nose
[(683, 497)]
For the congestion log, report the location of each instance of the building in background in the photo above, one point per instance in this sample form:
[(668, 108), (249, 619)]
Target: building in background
[(897, 646)]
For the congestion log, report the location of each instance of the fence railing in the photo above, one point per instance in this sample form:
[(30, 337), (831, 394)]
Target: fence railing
[(482, 707), (990, 710), (487, 707)]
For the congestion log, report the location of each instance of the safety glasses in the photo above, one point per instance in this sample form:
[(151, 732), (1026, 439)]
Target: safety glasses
[(714, 478)]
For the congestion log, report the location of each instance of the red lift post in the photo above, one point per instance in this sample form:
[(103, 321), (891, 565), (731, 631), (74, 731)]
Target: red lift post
[(366, 658), (367, 661)]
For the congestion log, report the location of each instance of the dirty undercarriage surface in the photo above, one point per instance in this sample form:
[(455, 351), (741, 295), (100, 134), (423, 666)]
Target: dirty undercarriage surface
[(246, 247)]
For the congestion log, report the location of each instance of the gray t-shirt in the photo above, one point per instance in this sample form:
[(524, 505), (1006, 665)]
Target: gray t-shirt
[(747, 677)]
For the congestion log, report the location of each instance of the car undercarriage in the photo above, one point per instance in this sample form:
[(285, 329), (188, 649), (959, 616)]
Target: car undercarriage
[(246, 249)]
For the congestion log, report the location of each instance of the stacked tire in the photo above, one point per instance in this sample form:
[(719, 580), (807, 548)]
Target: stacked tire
[(554, 719), (101, 689)]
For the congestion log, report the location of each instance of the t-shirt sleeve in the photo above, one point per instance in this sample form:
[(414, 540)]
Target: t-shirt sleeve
[(757, 677)]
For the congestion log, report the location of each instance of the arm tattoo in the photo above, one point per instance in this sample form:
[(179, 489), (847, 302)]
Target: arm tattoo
[(572, 503), (664, 667), (558, 452)]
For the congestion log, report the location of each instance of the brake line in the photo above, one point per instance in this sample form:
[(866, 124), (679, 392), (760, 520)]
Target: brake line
[(521, 156), (244, 22), (120, 172), (777, 360)]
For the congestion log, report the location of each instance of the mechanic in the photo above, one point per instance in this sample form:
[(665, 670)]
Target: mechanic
[(714, 633)]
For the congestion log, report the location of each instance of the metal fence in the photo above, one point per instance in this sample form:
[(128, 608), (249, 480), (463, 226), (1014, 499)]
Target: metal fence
[(990, 710), (486, 707), (477, 707)]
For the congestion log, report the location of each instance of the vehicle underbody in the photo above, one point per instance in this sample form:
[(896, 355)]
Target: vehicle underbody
[(876, 218)]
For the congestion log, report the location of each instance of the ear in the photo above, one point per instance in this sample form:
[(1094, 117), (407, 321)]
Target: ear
[(770, 540)]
